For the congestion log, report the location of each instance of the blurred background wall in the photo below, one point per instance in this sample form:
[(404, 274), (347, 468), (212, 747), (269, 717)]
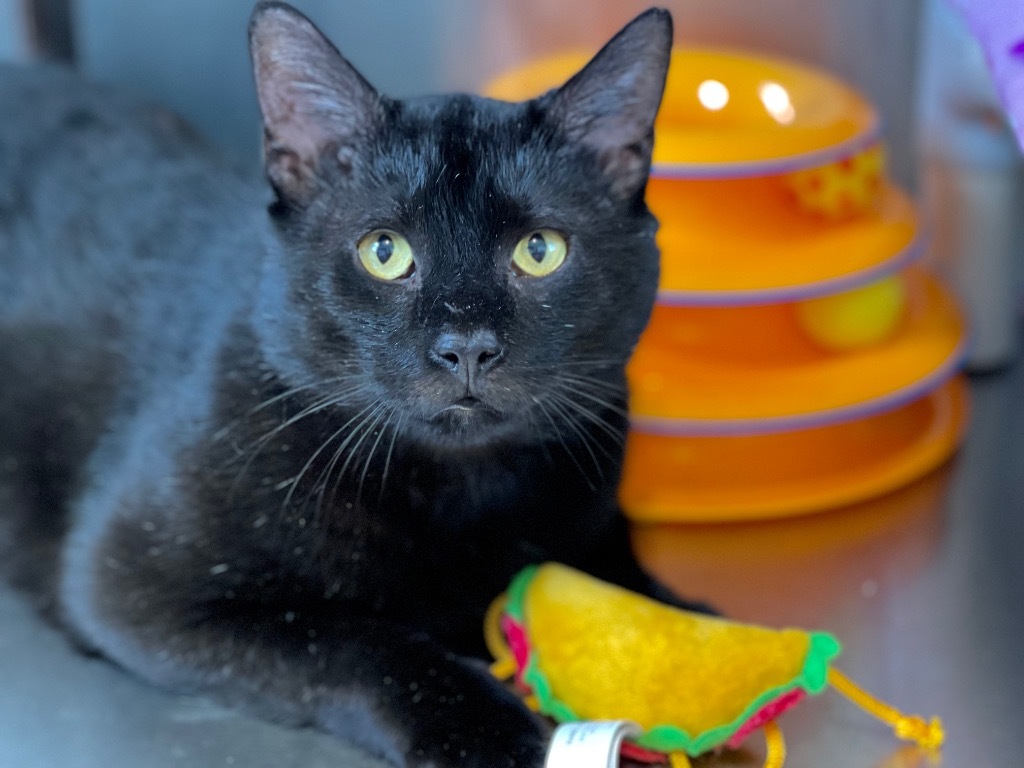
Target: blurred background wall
[(912, 58), (191, 54), (13, 37)]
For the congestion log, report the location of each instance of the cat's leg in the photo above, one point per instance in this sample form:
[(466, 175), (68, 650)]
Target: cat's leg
[(389, 688)]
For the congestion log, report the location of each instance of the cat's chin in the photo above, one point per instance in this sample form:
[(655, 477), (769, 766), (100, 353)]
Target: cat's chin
[(461, 427)]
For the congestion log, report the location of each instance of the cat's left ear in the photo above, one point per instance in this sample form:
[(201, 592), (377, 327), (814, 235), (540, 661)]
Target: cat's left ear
[(316, 107), (610, 104)]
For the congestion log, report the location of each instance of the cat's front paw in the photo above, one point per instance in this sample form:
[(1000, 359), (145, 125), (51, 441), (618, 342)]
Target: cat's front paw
[(499, 753), (497, 734)]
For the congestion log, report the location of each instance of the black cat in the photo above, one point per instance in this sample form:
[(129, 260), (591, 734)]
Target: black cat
[(287, 461)]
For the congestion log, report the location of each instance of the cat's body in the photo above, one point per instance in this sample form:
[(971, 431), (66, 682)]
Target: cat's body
[(236, 463)]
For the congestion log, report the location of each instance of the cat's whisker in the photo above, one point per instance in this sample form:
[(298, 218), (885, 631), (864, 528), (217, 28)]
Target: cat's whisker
[(583, 438), (365, 428), (592, 401), (324, 478), (440, 174), (359, 431), (313, 458), (381, 427), (595, 362), (297, 479), (558, 434), (576, 415), (592, 383), (595, 418), (256, 444), (391, 448), (288, 393), (328, 401), (322, 403), (315, 407)]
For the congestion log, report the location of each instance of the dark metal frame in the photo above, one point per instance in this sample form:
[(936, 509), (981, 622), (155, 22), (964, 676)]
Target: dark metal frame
[(51, 29)]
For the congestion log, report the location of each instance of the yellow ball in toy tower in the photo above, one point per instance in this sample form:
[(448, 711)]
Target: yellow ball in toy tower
[(857, 318)]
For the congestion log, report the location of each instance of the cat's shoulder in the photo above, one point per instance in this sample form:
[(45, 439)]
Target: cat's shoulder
[(38, 98), (49, 108)]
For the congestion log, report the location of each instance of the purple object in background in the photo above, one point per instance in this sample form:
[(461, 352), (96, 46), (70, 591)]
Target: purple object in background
[(999, 27)]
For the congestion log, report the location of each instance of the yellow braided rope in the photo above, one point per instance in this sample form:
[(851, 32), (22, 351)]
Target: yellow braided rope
[(776, 745), (926, 734), (504, 665)]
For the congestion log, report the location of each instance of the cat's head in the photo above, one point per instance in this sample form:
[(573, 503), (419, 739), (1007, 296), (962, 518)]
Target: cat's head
[(480, 269)]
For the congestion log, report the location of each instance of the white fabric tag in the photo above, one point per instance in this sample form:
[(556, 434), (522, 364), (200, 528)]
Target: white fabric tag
[(591, 744)]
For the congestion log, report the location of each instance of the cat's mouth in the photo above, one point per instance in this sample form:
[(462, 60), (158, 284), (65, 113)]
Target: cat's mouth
[(468, 420), (466, 404), (465, 410)]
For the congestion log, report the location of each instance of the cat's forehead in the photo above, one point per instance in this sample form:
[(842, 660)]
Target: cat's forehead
[(475, 157), (465, 134), (465, 116)]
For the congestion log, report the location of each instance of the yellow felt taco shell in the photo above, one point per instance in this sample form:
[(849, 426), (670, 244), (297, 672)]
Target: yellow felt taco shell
[(609, 653)]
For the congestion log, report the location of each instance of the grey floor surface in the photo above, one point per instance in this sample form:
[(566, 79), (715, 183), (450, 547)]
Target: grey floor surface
[(925, 587)]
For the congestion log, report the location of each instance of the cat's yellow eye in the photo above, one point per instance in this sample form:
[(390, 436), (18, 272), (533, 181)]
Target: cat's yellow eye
[(540, 253), (386, 255)]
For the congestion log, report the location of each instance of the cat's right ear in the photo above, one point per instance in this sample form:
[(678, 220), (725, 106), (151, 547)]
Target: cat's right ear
[(609, 106), (316, 107)]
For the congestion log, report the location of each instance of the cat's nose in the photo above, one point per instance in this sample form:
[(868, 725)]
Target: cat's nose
[(467, 355)]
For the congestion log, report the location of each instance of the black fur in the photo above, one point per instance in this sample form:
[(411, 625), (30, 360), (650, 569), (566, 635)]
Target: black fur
[(235, 463)]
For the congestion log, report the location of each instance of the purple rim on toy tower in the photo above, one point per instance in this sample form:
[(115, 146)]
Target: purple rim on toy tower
[(778, 165), (899, 261), (653, 425)]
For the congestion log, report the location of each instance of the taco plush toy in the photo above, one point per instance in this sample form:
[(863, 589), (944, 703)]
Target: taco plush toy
[(581, 650)]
